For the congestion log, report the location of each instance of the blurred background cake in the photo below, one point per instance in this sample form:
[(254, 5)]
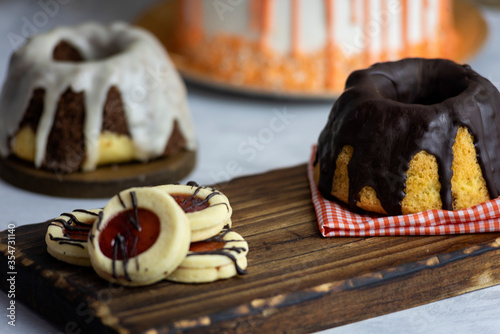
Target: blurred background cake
[(78, 97), (302, 46)]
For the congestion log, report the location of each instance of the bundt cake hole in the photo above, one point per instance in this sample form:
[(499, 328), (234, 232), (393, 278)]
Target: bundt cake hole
[(430, 95), (101, 52), (64, 51), (429, 86)]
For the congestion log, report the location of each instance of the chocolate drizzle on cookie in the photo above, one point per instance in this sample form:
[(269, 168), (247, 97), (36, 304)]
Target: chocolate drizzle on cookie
[(120, 245), (134, 221), (121, 201), (99, 221), (224, 251), (87, 212), (75, 232), (120, 251), (195, 203)]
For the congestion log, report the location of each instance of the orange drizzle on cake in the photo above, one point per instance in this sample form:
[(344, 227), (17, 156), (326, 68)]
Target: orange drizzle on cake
[(307, 46)]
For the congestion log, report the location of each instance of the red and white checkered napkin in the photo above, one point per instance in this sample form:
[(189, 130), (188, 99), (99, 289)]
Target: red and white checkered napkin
[(335, 220)]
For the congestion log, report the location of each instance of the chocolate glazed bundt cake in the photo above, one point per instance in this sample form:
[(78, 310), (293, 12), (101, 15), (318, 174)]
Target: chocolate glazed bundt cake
[(78, 97), (412, 135)]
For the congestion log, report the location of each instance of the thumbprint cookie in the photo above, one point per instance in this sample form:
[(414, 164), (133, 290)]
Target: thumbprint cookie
[(67, 235), (207, 209), (222, 256), (142, 237)]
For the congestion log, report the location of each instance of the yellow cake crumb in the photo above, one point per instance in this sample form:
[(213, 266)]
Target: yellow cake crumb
[(422, 191), (468, 186), (113, 148)]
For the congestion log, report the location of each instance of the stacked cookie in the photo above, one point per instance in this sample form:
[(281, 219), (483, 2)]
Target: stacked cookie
[(143, 235)]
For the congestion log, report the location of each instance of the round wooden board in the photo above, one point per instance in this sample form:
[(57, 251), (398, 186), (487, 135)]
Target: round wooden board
[(104, 182), (470, 26)]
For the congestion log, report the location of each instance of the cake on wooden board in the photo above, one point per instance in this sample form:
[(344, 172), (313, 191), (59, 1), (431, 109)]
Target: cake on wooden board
[(79, 97)]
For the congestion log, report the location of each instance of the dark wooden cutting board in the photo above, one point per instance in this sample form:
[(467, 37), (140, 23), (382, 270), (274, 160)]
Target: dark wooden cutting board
[(297, 280)]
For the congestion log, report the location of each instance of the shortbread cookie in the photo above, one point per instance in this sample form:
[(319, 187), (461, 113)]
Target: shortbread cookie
[(207, 209), (142, 237), (220, 257), (67, 236)]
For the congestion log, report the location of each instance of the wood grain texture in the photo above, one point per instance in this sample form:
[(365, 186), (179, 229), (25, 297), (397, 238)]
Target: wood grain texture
[(105, 181), (298, 281)]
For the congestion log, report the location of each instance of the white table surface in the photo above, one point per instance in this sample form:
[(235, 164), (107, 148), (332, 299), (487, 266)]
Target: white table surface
[(225, 124)]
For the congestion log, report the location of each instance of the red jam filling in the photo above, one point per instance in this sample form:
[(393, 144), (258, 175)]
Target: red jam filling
[(206, 246), (81, 235), (121, 224), (190, 203)]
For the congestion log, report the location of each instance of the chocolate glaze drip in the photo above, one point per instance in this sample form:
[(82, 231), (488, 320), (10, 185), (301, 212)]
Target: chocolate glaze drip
[(224, 251), (391, 111)]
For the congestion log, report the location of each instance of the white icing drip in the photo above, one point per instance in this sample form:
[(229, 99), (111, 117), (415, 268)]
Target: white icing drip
[(116, 55)]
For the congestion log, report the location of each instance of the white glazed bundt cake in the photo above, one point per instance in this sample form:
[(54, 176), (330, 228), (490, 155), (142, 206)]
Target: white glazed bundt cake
[(79, 97)]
